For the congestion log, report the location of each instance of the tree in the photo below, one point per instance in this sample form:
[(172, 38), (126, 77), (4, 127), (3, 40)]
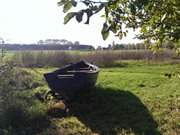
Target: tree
[(76, 43), (157, 20), (1, 40), (2, 46)]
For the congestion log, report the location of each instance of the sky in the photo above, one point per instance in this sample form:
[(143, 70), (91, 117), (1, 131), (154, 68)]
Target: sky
[(27, 21)]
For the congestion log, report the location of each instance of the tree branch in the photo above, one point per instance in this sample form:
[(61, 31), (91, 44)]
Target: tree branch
[(95, 2)]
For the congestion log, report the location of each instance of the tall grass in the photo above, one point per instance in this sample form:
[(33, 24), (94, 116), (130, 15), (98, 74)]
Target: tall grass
[(100, 58), (20, 111)]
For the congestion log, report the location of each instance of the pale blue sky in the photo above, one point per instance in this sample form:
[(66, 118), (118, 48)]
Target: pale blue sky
[(27, 21)]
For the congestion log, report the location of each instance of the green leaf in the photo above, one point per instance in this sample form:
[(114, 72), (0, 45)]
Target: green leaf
[(124, 34), (120, 35), (132, 8), (113, 28), (144, 29), (67, 7), (68, 17), (74, 3), (62, 2), (106, 11), (105, 34), (105, 31), (86, 3), (79, 16)]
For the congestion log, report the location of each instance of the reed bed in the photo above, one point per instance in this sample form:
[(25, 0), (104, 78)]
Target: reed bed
[(100, 58)]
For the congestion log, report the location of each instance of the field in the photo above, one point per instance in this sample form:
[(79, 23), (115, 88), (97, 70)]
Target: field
[(106, 58), (133, 97)]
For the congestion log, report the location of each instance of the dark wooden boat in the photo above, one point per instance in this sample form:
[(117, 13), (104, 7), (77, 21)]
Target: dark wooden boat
[(80, 76)]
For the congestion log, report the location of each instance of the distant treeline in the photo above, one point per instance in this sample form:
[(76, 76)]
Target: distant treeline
[(138, 46), (23, 47)]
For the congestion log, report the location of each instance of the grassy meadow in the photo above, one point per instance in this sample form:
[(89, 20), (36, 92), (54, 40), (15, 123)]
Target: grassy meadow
[(131, 97)]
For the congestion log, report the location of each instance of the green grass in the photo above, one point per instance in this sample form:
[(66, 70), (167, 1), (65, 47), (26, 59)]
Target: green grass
[(136, 98)]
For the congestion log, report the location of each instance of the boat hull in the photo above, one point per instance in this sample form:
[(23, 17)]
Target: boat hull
[(72, 80)]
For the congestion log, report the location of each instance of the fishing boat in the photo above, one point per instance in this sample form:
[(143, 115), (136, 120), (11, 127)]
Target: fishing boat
[(80, 76)]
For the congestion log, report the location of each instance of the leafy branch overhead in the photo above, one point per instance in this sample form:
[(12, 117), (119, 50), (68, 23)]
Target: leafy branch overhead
[(157, 20)]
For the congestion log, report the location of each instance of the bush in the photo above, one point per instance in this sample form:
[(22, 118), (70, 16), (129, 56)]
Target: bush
[(21, 113)]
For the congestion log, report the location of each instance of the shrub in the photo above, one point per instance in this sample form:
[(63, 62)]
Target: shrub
[(20, 111)]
